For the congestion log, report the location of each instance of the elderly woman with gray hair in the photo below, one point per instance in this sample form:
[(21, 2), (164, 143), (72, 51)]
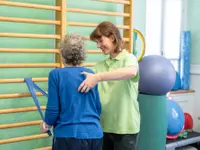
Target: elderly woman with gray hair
[(74, 116)]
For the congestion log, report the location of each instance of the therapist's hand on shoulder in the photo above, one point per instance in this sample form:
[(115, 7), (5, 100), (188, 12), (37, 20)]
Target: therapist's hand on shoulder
[(90, 81)]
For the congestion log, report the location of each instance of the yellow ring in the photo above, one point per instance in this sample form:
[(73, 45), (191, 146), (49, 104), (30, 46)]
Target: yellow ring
[(143, 43)]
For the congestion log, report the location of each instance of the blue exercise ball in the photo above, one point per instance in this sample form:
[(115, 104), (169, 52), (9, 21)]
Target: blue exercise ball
[(157, 75), (177, 85), (176, 118)]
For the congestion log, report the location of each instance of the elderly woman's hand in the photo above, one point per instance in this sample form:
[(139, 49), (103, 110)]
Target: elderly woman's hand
[(44, 127), (90, 81)]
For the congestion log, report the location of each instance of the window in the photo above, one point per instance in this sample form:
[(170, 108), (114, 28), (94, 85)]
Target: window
[(153, 26), (163, 29), (171, 30)]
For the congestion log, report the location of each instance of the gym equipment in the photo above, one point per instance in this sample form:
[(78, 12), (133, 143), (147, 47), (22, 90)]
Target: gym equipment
[(31, 85), (187, 148), (32, 41), (185, 46), (188, 122), (192, 138), (176, 119), (143, 44), (157, 75), (153, 127), (177, 85)]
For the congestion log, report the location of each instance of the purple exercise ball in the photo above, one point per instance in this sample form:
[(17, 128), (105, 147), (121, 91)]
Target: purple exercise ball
[(157, 75)]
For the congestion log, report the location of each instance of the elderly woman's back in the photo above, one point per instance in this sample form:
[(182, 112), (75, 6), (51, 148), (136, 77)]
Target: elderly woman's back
[(74, 116)]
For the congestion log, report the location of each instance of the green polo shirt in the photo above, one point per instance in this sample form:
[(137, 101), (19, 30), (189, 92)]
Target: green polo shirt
[(120, 109)]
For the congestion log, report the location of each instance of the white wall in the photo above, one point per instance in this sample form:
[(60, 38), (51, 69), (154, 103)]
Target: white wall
[(195, 84)]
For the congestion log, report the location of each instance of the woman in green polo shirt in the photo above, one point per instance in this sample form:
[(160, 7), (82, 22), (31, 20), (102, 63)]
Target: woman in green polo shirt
[(117, 79)]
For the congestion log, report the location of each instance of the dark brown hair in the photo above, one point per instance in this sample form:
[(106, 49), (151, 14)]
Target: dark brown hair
[(108, 29)]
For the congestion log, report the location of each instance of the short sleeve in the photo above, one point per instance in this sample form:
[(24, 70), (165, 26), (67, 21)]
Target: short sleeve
[(131, 60)]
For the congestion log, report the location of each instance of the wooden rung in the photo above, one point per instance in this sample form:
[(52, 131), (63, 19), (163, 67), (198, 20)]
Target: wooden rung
[(41, 65), (23, 35), (24, 20), (126, 39), (115, 1), (19, 35), (23, 50), (25, 138), (21, 124), (88, 38), (94, 51), (18, 95), (28, 5), (17, 110), (37, 65), (92, 25), (44, 148), (77, 10), (88, 64), (19, 50), (22, 80)]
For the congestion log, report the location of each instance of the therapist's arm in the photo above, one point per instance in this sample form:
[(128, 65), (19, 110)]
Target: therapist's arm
[(130, 70), (117, 74)]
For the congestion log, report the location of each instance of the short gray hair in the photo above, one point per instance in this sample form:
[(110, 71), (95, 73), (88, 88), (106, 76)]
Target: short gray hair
[(72, 49)]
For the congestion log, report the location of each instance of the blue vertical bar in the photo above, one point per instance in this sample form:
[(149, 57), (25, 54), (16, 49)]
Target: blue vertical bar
[(185, 59)]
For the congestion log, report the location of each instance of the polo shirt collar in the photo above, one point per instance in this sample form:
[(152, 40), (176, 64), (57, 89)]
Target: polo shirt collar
[(119, 57)]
